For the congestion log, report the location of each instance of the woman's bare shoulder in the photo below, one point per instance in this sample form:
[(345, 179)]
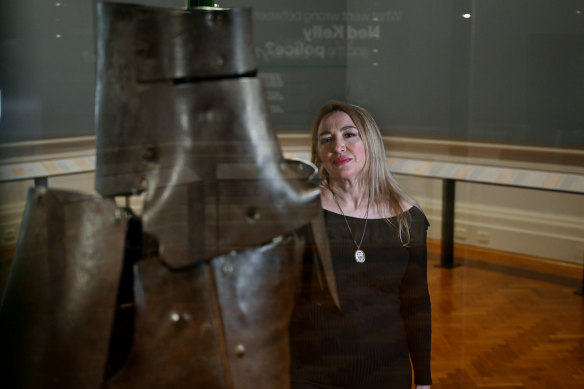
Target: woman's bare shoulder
[(406, 205), (326, 200)]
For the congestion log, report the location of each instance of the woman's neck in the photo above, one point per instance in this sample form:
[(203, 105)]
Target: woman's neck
[(346, 197), (353, 200)]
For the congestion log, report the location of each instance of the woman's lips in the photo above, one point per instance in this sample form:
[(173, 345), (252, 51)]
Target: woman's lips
[(341, 161)]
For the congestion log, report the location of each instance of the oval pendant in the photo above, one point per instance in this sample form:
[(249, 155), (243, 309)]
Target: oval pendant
[(359, 256)]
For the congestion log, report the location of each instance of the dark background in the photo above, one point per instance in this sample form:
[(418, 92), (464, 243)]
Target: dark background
[(513, 72)]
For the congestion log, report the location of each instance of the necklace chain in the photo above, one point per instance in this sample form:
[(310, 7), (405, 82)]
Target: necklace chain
[(351, 232)]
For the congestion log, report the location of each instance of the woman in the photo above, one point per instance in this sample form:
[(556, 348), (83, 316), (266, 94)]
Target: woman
[(377, 235)]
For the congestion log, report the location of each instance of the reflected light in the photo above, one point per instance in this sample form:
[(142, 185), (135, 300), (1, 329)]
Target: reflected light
[(58, 36), (466, 16)]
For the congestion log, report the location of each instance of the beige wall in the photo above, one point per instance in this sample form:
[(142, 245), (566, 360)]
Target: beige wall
[(533, 222), (526, 221)]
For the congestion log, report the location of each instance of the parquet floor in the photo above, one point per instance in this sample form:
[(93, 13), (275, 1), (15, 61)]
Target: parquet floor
[(500, 321), (505, 321)]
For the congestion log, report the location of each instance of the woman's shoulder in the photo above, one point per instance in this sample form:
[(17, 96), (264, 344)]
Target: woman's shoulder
[(417, 215), (414, 211), (418, 224)]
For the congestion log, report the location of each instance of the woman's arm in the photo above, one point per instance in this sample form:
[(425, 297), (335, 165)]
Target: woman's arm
[(415, 303)]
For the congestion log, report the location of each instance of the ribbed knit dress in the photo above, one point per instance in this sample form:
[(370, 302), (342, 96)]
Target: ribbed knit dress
[(385, 316)]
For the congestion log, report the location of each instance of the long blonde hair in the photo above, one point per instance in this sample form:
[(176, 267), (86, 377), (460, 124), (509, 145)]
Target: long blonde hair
[(384, 189)]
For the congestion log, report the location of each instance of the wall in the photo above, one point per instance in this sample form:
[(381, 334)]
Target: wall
[(480, 70), (532, 222), (510, 73), (525, 221)]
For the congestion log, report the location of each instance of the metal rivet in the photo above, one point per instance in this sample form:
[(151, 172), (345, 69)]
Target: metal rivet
[(143, 184), (240, 350), (253, 215), (214, 19), (208, 115), (149, 154), (227, 269), (220, 60), (175, 317), (117, 215)]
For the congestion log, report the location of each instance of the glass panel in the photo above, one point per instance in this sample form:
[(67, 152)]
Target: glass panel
[(459, 69)]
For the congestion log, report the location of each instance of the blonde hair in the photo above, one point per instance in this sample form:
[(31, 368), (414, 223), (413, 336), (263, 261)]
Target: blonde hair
[(384, 189)]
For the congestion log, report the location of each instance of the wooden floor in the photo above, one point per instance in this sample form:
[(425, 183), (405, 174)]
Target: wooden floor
[(505, 321), (501, 321)]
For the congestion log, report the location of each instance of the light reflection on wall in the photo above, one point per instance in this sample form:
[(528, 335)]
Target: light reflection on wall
[(480, 70)]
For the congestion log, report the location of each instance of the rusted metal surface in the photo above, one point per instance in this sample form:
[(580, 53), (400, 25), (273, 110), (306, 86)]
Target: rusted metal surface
[(58, 306), (142, 48), (221, 324), (198, 290), (217, 180)]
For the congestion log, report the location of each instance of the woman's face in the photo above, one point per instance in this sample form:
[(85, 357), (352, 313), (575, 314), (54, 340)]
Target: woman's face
[(340, 147)]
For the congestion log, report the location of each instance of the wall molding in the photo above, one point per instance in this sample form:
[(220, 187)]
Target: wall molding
[(565, 160), (558, 237), (10, 218), (47, 149)]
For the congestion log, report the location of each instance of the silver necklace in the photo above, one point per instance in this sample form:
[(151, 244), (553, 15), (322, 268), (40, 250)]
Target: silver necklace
[(359, 254)]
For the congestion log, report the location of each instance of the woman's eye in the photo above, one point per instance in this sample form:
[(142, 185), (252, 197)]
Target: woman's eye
[(350, 134), (324, 140)]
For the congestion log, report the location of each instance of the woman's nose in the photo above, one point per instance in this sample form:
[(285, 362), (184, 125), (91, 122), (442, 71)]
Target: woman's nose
[(339, 145)]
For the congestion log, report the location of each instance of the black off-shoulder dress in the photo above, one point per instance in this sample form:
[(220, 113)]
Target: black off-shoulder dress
[(385, 318)]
